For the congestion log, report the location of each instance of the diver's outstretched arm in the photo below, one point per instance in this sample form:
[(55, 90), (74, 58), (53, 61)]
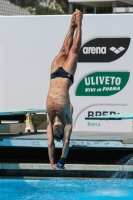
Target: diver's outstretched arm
[(51, 146)]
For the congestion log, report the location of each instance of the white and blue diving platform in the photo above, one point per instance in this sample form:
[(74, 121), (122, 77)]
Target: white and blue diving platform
[(79, 139)]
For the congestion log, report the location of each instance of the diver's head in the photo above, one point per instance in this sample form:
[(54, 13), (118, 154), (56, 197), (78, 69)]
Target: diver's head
[(58, 130)]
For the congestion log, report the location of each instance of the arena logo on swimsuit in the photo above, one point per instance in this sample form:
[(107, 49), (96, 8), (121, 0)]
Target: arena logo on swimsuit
[(103, 49)]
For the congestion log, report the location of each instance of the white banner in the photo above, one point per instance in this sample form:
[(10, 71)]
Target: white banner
[(104, 77), (84, 118), (2, 86)]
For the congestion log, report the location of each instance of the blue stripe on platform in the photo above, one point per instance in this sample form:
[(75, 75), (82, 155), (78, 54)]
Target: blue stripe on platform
[(18, 112), (39, 143), (113, 117)]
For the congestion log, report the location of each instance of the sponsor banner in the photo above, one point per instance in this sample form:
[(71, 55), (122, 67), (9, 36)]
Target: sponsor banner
[(1, 77), (102, 83), (85, 118), (103, 49), (104, 74)]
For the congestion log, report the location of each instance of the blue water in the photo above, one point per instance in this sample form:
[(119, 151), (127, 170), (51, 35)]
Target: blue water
[(65, 189)]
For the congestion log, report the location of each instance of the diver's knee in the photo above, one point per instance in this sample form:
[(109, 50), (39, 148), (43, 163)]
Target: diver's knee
[(64, 51)]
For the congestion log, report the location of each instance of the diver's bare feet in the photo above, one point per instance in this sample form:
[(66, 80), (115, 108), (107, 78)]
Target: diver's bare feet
[(79, 17), (73, 20), (54, 166)]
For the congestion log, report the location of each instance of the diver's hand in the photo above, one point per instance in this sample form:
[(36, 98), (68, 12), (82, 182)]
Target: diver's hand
[(54, 166)]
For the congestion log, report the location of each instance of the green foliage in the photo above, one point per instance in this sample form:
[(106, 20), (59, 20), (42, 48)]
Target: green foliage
[(31, 10), (34, 7), (40, 10), (30, 3), (64, 4)]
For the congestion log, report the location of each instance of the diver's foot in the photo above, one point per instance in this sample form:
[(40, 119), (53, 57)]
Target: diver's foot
[(54, 166), (73, 20), (79, 17)]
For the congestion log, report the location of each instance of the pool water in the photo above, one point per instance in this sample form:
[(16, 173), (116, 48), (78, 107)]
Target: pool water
[(66, 189)]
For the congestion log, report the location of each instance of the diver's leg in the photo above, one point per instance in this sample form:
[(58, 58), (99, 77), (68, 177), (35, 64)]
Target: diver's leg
[(71, 62), (63, 54)]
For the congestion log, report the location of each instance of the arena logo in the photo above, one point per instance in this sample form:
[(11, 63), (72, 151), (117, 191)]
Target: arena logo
[(117, 51), (94, 50), (102, 83), (103, 49)]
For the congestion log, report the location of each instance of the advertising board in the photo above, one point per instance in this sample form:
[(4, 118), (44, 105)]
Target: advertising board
[(104, 77)]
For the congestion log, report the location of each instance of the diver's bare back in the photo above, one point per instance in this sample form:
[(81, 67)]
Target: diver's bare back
[(58, 102)]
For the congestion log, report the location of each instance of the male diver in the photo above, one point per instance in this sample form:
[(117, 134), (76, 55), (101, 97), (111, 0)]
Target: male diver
[(59, 108)]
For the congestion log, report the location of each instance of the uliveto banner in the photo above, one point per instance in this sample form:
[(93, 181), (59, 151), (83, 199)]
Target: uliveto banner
[(103, 80), (102, 83)]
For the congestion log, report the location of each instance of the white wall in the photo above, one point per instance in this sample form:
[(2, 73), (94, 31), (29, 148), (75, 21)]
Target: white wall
[(27, 47)]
